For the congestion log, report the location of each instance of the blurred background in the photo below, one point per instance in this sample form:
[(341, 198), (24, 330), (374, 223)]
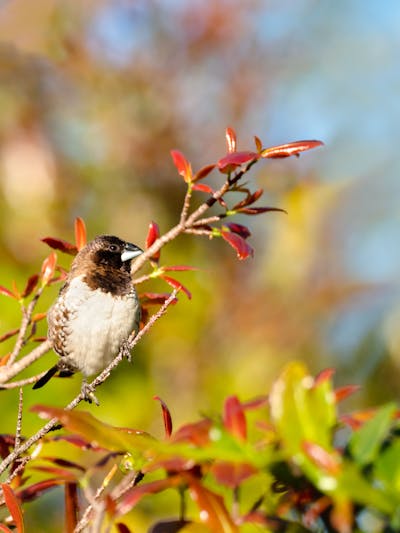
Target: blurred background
[(94, 94)]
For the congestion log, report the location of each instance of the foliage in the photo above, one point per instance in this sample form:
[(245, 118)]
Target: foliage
[(281, 462)]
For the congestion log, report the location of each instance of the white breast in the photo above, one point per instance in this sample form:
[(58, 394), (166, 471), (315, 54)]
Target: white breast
[(99, 323)]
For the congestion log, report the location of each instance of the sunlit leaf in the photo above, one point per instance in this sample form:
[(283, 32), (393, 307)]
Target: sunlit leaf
[(177, 285), (155, 298), (96, 432), (212, 508), (286, 150), (166, 417), (48, 267), (325, 375), (234, 418), (233, 160), (203, 187), (328, 461), (230, 135), (152, 235), (243, 249), (60, 244), (344, 392), (134, 495), (258, 143), (365, 442), (80, 233), (13, 505), (183, 166), (232, 474), (7, 292)]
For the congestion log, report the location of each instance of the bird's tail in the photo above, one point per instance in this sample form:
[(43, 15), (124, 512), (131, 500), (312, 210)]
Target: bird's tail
[(63, 372)]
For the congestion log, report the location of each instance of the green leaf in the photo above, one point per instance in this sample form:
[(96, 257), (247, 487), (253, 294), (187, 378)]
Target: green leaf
[(365, 442), (387, 468)]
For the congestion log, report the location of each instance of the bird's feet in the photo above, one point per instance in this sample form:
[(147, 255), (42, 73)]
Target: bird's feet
[(126, 350), (88, 394)]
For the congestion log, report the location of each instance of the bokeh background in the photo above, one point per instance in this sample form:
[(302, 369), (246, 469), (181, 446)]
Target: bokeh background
[(94, 94)]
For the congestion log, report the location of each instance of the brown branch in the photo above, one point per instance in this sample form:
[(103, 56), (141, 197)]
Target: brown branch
[(7, 373), (26, 320), (124, 351)]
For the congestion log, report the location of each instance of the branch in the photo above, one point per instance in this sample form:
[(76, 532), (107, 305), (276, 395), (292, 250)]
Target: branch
[(7, 373), (26, 320), (125, 349)]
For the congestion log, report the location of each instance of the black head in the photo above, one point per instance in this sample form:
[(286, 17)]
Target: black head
[(105, 263)]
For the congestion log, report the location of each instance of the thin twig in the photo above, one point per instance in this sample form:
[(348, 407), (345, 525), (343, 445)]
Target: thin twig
[(26, 320), (186, 205), (92, 386), (23, 382), (7, 373), (18, 430)]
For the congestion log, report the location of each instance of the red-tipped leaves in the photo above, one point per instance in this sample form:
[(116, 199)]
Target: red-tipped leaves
[(286, 150)]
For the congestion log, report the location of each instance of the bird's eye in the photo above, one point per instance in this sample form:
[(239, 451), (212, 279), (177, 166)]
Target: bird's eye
[(113, 247)]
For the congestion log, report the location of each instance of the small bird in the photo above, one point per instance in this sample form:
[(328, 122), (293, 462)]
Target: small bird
[(96, 310)]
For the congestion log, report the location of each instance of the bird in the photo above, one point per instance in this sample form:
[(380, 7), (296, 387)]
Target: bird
[(96, 310)]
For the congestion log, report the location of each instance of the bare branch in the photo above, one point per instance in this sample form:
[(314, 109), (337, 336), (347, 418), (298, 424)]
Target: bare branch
[(26, 320), (125, 349), (7, 373)]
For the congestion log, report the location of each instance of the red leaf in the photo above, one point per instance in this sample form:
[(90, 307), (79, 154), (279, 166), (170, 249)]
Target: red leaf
[(342, 518), (243, 249), (183, 166), (234, 418), (152, 235), (232, 474), (148, 298), (59, 244), (325, 375), (134, 495), (37, 489), (212, 508), (7, 292), (230, 135), (122, 528), (178, 268), (250, 198), (258, 143), (71, 506), (323, 459), (259, 210), (286, 150), (203, 172), (203, 187), (38, 317), (48, 267), (166, 417), (15, 290), (5, 529), (239, 229), (228, 163), (8, 335), (30, 285), (342, 393), (13, 505), (80, 233), (177, 285), (197, 433), (255, 403)]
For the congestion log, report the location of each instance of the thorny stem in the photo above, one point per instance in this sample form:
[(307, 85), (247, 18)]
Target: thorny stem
[(132, 341)]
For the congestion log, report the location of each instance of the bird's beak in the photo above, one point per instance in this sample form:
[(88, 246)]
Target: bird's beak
[(130, 251)]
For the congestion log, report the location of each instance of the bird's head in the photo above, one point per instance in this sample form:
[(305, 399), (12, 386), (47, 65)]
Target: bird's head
[(105, 262)]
